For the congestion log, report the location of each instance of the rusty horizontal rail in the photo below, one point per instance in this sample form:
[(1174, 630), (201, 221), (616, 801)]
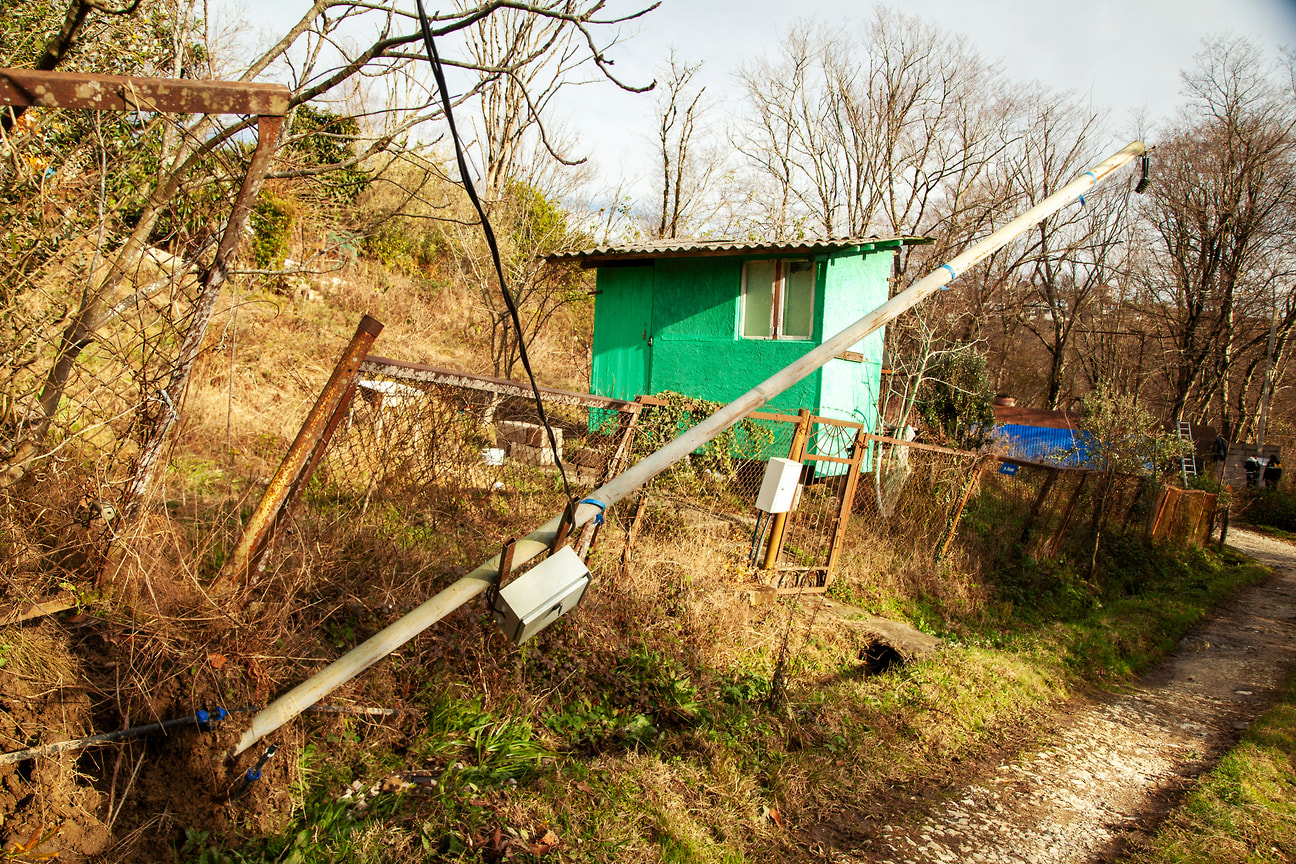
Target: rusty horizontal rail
[(32, 88), (503, 386)]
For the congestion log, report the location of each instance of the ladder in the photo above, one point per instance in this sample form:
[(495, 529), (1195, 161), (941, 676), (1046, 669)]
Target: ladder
[(1188, 467)]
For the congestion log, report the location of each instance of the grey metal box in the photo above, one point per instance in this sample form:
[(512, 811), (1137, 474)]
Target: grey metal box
[(542, 595)]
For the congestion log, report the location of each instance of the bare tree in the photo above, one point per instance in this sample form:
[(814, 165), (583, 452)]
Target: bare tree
[(320, 65), (1067, 260), (1222, 211), (894, 131), (686, 165)]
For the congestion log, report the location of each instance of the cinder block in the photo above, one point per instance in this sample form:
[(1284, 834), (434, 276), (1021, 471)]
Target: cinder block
[(508, 432), (528, 455)]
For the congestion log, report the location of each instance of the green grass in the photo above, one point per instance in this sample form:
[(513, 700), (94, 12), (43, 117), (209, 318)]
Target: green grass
[(1244, 810), (652, 755)]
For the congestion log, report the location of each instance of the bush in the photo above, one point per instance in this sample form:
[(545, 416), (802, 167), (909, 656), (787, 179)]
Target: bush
[(272, 223), (1275, 508)]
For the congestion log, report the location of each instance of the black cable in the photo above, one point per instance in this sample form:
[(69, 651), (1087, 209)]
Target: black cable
[(435, 59)]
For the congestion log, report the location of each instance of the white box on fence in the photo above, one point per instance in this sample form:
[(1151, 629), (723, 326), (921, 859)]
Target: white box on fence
[(542, 595), (782, 476)]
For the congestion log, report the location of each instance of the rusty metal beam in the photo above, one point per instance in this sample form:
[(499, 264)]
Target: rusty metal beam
[(30, 88), (260, 525), (487, 384)]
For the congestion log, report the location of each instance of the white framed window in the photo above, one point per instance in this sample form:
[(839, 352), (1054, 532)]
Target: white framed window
[(778, 299)]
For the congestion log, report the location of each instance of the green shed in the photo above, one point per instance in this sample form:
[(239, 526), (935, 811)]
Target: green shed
[(713, 318)]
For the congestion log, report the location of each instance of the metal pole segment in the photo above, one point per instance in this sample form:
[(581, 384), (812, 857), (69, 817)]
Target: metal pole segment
[(262, 521), (538, 542), (796, 453)]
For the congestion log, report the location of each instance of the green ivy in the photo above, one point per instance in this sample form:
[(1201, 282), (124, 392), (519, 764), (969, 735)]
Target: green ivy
[(660, 424)]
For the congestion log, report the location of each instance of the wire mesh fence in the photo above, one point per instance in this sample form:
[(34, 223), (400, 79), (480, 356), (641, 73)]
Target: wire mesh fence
[(452, 466), (68, 471), (444, 463)]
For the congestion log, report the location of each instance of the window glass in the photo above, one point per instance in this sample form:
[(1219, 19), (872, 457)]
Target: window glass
[(758, 299), (798, 299)]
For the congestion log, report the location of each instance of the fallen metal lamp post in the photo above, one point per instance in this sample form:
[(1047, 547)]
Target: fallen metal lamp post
[(539, 541)]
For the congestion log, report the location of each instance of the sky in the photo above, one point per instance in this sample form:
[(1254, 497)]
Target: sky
[(1125, 55)]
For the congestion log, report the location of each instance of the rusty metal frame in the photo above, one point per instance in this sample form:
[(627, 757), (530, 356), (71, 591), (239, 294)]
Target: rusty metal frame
[(374, 365), (30, 88)]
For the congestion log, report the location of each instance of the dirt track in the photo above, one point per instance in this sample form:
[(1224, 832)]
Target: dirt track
[(1115, 766)]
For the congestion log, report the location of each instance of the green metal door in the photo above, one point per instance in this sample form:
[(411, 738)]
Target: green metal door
[(622, 363)]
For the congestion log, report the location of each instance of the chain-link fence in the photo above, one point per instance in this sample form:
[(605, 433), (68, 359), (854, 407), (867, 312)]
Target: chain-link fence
[(450, 467), (68, 471)]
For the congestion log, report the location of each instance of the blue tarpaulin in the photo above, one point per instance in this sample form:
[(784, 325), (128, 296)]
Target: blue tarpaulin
[(1041, 444)]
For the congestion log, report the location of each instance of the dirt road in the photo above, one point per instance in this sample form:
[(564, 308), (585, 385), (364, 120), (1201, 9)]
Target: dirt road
[(1115, 766)]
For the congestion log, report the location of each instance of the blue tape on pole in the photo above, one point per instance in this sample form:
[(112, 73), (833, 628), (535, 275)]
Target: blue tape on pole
[(598, 518), (953, 275), (1091, 175), (253, 775)]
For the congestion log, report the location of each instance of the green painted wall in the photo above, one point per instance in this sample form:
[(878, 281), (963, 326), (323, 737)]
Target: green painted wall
[(622, 326), (690, 308), (856, 285), (695, 325)]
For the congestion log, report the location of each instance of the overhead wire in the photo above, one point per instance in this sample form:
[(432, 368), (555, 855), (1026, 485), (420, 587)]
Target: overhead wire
[(438, 73)]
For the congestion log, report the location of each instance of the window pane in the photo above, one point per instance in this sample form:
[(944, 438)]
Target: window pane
[(798, 299), (758, 299)]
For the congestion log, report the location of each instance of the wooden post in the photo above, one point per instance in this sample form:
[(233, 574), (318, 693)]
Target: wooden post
[(1035, 509), (858, 450), (632, 533), (796, 452), (299, 486), (977, 469), (1158, 512), (1066, 516)]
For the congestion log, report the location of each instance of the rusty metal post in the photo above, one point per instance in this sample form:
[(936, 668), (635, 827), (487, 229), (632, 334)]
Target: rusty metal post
[(844, 507), (779, 522), (299, 487), (260, 525), (977, 469), (268, 129), (1066, 516)]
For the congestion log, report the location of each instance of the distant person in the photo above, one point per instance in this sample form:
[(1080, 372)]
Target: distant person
[(1220, 451), (1252, 468), (1273, 472)]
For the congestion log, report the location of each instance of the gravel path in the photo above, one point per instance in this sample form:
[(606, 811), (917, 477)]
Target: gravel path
[(1115, 765)]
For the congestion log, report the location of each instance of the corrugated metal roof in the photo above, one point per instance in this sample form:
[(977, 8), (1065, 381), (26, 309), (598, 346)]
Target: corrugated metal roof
[(683, 248)]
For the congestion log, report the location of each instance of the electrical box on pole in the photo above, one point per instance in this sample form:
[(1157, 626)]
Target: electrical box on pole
[(542, 595), (778, 489)]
